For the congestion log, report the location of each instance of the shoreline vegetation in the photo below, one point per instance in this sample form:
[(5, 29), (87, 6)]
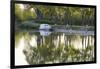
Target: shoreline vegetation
[(31, 16)]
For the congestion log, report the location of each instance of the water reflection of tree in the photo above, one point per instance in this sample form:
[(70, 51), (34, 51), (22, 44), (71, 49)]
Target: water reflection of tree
[(87, 44), (18, 36), (48, 52)]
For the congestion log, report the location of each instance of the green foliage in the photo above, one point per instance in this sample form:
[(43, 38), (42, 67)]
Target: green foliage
[(23, 14), (18, 12), (56, 14)]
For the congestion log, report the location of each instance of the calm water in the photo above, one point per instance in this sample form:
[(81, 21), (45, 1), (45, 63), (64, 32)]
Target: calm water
[(60, 46)]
